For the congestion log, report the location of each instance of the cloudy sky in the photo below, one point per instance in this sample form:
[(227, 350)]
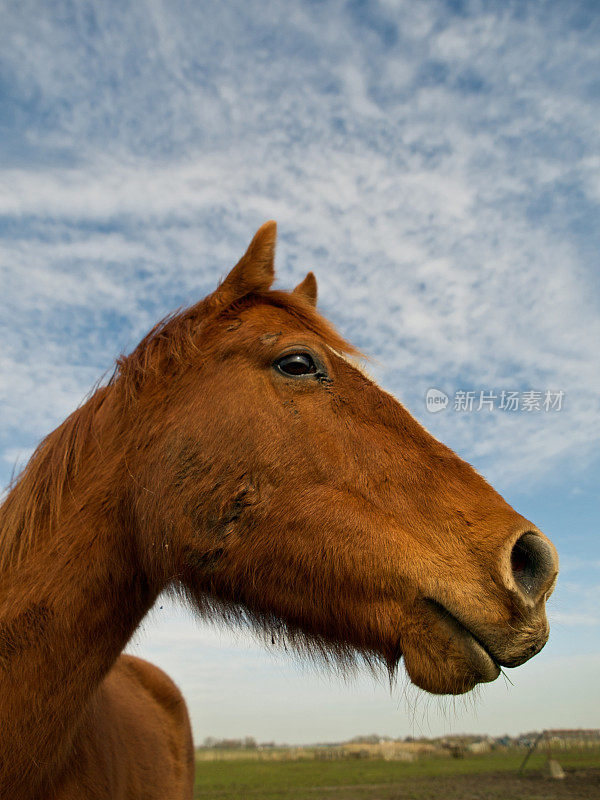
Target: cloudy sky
[(437, 165)]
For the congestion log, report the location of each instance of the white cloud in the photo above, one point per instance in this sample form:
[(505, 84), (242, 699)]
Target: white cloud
[(431, 312)]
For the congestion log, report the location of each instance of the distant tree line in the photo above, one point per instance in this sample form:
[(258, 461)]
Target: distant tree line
[(247, 743)]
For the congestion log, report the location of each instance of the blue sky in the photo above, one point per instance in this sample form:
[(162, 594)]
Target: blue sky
[(437, 164)]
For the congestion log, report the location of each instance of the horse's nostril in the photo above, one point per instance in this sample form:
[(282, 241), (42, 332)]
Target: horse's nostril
[(533, 564)]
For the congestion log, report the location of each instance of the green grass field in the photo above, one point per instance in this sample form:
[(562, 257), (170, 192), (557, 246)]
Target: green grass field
[(479, 777)]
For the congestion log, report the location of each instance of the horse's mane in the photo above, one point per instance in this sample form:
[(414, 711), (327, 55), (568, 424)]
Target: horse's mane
[(34, 498)]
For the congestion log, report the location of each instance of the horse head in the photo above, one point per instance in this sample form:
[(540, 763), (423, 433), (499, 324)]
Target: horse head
[(277, 483)]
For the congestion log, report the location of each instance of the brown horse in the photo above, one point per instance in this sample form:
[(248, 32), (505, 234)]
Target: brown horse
[(239, 455)]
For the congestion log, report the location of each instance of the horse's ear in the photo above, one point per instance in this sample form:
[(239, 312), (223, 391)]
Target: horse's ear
[(308, 289), (255, 270)]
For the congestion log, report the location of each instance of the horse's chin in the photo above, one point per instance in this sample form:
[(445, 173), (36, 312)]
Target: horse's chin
[(440, 655), (446, 658)]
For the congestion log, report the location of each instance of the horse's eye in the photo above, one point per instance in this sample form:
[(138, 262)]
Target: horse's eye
[(296, 364)]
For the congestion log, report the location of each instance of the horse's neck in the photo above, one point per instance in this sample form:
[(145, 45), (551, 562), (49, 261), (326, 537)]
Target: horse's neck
[(66, 612)]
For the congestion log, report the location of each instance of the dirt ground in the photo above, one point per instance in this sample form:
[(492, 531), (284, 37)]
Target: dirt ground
[(583, 784)]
